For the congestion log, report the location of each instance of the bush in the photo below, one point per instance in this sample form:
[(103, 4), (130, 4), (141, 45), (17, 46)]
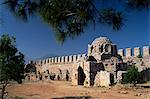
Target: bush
[(132, 76)]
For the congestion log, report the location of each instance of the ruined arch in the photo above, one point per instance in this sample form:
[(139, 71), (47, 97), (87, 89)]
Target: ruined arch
[(81, 76)]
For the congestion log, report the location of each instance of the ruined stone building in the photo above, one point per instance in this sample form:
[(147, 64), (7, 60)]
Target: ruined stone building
[(102, 65)]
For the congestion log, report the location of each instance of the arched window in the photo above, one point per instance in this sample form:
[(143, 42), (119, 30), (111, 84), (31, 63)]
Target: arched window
[(107, 48), (101, 48)]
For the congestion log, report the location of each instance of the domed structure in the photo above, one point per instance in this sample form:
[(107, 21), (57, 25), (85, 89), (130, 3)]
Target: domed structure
[(101, 40), (101, 48)]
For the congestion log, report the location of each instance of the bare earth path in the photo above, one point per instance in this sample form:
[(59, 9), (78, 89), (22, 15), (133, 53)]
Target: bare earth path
[(60, 89)]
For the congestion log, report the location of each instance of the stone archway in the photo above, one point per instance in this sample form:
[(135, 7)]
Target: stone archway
[(81, 76)]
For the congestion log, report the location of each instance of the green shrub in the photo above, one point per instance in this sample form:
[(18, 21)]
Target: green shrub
[(132, 76)]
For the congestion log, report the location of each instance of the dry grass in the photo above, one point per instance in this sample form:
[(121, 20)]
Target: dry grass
[(64, 90)]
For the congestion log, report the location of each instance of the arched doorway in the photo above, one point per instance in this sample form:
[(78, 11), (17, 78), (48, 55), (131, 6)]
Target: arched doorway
[(81, 76)]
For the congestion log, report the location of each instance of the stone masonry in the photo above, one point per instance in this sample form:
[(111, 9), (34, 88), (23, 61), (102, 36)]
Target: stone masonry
[(101, 66)]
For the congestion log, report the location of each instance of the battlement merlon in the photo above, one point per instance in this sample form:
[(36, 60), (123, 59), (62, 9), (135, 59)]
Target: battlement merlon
[(136, 52), (73, 58), (128, 52), (146, 51), (63, 59), (121, 52)]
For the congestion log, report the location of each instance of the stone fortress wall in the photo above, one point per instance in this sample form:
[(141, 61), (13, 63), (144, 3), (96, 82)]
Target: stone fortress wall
[(91, 69), (60, 67), (65, 64), (61, 60), (136, 51), (140, 56), (127, 53)]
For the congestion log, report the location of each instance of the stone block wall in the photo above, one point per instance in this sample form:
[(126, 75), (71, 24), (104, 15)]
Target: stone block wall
[(86, 70), (60, 67), (137, 51), (128, 52), (63, 59), (102, 78), (120, 75)]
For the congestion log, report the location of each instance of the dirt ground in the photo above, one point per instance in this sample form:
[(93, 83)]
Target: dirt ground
[(64, 90)]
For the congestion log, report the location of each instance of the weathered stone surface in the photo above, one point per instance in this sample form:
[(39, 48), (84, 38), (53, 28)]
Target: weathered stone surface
[(102, 48), (120, 52), (120, 76), (99, 67), (136, 51), (128, 52), (102, 78), (146, 51)]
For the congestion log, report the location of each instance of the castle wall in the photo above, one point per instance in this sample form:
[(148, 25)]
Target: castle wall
[(141, 58), (86, 70), (63, 59), (100, 71), (136, 52), (61, 65), (58, 66)]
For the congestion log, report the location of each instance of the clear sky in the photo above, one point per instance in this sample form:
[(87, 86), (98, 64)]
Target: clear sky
[(36, 39)]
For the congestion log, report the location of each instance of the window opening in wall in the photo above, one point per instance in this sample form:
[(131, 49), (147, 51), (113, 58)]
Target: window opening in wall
[(72, 58)]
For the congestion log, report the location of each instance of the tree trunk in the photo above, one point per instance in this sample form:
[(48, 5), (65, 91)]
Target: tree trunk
[(2, 92), (3, 89)]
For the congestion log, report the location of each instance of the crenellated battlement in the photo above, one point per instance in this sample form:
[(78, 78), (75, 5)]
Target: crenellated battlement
[(62, 59), (136, 52), (100, 58)]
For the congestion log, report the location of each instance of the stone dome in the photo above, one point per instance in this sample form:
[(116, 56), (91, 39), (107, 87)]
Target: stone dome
[(101, 40)]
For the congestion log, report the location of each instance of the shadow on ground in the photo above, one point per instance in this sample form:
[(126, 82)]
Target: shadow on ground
[(145, 86), (74, 97)]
